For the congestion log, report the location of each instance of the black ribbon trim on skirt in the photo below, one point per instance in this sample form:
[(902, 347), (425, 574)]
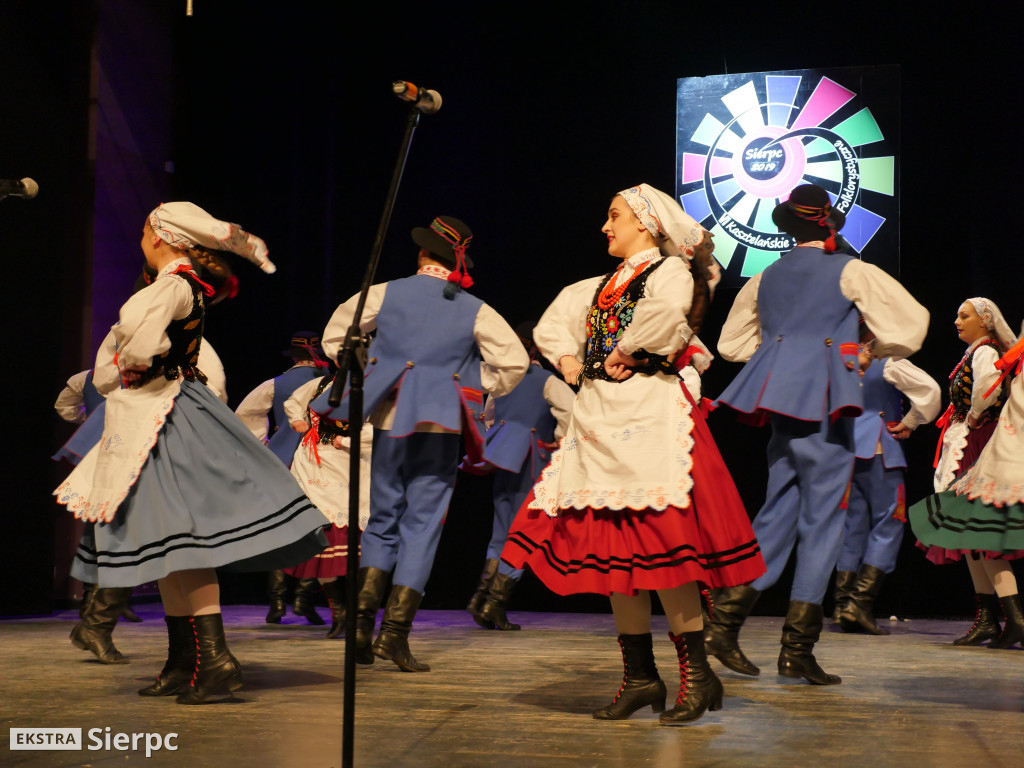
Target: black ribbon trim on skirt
[(939, 521), (707, 561), (92, 557)]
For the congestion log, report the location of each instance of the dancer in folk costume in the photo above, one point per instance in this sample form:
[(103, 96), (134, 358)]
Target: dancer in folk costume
[(177, 486), (876, 510), (637, 497), (796, 326), (265, 401), (437, 349), (523, 427), (321, 467), (976, 512), (80, 402)]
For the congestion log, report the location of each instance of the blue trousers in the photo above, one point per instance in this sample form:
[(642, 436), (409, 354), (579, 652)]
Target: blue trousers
[(872, 535), (809, 468), (510, 491), (412, 479)]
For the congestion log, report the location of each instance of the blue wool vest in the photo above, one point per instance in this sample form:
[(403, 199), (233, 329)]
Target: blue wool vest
[(285, 440), (808, 335), (424, 354), (90, 396), (882, 403), (521, 418)]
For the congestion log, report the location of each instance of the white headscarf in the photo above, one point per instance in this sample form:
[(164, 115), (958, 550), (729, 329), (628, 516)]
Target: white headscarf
[(994, 321), (663, 216), (185, 225)]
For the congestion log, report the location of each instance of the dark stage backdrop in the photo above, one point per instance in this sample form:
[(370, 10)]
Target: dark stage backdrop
[(279, 117)]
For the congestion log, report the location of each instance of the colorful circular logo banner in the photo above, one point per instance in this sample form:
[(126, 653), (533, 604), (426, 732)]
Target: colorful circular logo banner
[(743, 142)]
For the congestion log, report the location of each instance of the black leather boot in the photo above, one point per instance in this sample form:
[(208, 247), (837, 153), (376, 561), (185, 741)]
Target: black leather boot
[(799, 634), (305, 599), (729, 609), (392, 642), (181, 659), (493, 612), (476, 602), (1013, 625), (856, 615), (216, 671), (372, 583), (335, 592), (641, 684), (99, 614), (700, 690), (986, 623), (277, 585), (844, 583)]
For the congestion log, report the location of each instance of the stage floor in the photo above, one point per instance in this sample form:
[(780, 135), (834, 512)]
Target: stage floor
[(518, 699)]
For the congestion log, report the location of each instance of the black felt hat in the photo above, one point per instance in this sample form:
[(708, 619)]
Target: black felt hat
[(442, 237), (304, 345), (808, 214)]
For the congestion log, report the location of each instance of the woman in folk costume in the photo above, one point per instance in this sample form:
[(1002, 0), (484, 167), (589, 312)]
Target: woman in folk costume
[(177, 486), (976, 514), (321, 467), (637, 498)]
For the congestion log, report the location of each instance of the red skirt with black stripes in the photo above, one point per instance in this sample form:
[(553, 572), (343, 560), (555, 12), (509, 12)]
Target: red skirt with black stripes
[(602, 551)]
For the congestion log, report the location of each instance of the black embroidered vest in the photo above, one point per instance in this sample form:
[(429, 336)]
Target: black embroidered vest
[(962, 384), (186, 336), (606, 326), (327, 428)]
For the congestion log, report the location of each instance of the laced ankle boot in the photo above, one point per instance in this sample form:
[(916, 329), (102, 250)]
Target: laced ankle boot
[(216, 670), (372, 583), (844, 584), (336, 600), (641, 684), (800, 632), (700, 690), (1013, 626), (729, 609), (99, 614), (857, 614), (393, 641), (986, 623), (181, 659), (305, 599), (276, 587), (493, 612), (476, 602)]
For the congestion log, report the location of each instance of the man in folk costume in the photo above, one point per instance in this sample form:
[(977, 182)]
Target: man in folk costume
[(796, 326), (523, 427), (877, 506), (436, 350), (269, 397)]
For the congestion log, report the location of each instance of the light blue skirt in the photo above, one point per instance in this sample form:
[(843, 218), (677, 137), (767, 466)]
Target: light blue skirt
[(209, 495)]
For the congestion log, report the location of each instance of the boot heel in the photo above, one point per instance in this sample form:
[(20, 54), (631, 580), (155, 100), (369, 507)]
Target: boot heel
[(658, 707), (715, 705)]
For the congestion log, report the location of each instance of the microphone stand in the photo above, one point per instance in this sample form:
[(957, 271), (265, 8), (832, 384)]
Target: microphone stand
[(351, 365)]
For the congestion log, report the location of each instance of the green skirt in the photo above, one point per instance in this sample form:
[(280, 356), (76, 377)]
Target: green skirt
[(951, 522)]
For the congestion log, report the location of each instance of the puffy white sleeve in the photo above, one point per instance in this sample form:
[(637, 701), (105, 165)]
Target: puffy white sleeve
[(70, 404), (919, 388), (985, 374), (741, 333), (254, 408), (141, 331), (562, 329), (898, 321), (333, 338), (560, 397), (659, 319), (210, 364), (295, 405), (504, 358)]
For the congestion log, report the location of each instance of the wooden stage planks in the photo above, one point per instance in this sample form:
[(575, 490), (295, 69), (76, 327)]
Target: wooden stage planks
[(521, 699)]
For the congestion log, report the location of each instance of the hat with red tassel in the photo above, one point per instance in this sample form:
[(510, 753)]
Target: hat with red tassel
[(447, 239), (808, 215)]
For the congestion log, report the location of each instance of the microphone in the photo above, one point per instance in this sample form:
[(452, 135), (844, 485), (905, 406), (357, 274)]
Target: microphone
[(426, 101), (26, 188)]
